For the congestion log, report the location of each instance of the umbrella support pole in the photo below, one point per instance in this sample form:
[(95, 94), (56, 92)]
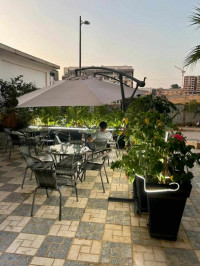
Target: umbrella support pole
[(125, 200)]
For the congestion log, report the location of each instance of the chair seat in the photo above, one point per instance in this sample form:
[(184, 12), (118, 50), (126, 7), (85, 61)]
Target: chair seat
[(63, 181), (65, 171), (91, 166), (45, 164)]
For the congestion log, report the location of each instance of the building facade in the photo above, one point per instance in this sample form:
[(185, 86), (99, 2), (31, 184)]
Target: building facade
[(14, 63), (69, 71), (169, 92), (190, 85), (198, 85)]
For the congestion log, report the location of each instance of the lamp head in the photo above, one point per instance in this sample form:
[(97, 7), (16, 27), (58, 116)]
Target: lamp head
[(86, 22)]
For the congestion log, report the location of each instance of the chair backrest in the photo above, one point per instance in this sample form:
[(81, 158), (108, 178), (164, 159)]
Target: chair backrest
[(16, 139), (30, 161), (45, 178), (70, 162), (99, 144), (75, 135), (43, 134), (8, 132), (58, 139)]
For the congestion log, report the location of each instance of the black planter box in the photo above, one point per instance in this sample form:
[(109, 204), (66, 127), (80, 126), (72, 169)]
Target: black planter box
[(165, 212), (140, 195)]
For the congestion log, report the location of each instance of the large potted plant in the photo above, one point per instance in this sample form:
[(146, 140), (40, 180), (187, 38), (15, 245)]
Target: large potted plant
[(11, 117), (156, 160)]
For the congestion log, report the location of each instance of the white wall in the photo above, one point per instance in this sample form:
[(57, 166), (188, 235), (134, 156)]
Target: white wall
[(12, 65)]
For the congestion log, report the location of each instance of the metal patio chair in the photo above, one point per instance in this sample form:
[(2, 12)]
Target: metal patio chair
[(95, 162), (15, 140), (69, 169), (33, 162), (47, 179), (98, 146)]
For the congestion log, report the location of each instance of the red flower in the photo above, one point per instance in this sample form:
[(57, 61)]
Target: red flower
[(124, 131), (179, 137)]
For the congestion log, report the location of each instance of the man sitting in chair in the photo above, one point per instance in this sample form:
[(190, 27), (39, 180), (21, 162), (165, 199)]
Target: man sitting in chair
[(100, 135)]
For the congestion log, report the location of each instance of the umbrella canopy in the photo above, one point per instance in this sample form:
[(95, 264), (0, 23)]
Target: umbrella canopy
[(75, 92)]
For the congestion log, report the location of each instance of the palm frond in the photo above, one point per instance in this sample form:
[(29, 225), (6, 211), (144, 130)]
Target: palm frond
[(193, 56), (195, 17)]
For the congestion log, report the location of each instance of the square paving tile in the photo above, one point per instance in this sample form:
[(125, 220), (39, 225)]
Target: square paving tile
[(85, 250), (98, 186), (6, 238), (25, 210), (83, 193), (14, 223), (54, 247), (116, 253), (101, 204), (191, 211), (16, 197), (2, 217), (140, 235), (15, 164), (72, 214), (8, 259), (38, 226), (76, 263), (194, 238), (119, 194), (9, 187), (55, 201), (5, 178), (118, 217), (196, 202), (182, 257), (90, 230)]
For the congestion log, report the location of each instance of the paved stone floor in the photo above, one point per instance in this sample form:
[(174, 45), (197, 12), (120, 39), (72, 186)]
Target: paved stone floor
[(93, 231)]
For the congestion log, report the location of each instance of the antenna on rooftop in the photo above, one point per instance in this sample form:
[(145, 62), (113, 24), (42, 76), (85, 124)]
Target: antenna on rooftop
[(182, 72)]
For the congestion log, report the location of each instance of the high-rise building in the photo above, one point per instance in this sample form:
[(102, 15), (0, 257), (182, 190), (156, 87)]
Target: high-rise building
[(190, 84), (198, 85), (110, 76)]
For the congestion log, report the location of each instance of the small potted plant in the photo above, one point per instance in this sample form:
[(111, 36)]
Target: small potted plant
[(160, 159)]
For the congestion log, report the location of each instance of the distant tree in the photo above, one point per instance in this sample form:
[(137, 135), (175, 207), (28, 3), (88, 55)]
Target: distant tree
[(192, 107), (175, 86), (194, 55)]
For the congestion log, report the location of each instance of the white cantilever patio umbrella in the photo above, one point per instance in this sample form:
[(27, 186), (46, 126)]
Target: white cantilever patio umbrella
[(75, 92)]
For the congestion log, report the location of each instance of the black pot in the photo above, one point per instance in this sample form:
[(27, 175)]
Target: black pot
[(166, 210), (140, 195)]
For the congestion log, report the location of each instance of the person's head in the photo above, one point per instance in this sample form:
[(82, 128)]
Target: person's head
[(103, 125)]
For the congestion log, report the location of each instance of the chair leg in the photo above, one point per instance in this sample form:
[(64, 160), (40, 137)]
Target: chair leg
[(108, 161), (31, 175), (47, 193), (102, 181), (83, 175), (24, 177), (33, 201), (10, 151), (60, 206), (106, 174), (6, 146), (75, 188)]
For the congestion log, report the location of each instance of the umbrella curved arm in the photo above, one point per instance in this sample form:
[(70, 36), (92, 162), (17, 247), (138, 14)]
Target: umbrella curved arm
[(139, 83), (107, 76)]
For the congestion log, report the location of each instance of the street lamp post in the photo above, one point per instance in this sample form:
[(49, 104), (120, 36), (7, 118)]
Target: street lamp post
[(81, 23)]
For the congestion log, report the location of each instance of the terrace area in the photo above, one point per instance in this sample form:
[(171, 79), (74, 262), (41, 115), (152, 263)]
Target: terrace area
[(93, 231)]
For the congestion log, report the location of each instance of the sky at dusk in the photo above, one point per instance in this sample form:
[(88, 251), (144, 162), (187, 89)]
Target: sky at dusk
[(152, 36)]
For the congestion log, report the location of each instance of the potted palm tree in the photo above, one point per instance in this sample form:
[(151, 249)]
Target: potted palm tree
[(156, 161)]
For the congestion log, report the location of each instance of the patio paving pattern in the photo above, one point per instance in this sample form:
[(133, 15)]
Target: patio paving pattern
[(93, 231)]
